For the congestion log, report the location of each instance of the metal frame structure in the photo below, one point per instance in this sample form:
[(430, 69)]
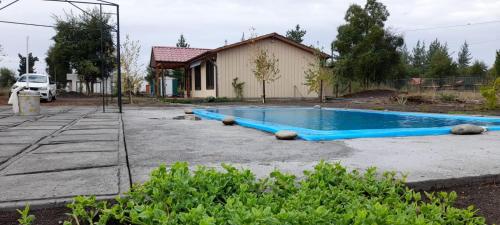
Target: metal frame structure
[(74, 4)]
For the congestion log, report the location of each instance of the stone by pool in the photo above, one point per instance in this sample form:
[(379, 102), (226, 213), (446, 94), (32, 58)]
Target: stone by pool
[(315, 124)]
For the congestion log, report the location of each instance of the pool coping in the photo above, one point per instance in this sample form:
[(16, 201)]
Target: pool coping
[(324, 135)]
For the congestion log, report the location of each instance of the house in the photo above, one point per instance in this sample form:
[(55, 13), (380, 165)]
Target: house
[(73, 84), (210, 72)]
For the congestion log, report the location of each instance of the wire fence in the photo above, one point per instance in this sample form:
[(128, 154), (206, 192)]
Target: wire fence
[(469, 83)]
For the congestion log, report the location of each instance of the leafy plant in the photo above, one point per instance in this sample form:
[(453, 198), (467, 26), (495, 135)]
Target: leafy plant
[(26, 218), (447, 97), (329, 194), (318, 74), (238, 88), (490, 93)]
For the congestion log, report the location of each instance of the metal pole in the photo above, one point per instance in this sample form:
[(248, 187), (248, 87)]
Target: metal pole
[(102, 59), (119, 71), (27, 62)]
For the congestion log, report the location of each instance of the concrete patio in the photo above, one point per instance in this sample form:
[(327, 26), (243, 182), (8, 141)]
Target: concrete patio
[(70, 151)]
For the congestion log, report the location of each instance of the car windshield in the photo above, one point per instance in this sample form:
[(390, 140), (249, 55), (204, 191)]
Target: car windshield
[(34, 79)]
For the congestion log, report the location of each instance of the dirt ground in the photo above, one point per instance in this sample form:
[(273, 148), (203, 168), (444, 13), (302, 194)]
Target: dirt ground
[(371, 99)]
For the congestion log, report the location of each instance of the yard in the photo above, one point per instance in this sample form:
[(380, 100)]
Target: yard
[(152, 136)]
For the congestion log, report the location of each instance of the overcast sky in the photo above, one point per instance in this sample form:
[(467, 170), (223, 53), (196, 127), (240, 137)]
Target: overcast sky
[(208, 23)]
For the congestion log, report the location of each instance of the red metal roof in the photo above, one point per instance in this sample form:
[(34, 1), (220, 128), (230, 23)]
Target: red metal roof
[(175, 54)]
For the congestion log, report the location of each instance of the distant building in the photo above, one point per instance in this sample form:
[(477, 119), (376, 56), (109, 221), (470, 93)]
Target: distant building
[(210, 72), (75, 85)]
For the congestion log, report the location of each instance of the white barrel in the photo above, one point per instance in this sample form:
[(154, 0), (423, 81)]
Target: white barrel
[(29, 103)]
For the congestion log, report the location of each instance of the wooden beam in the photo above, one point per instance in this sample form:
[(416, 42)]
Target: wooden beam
[(157, 90)]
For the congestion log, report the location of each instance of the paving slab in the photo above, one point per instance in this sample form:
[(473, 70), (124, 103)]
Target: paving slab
[(90, 131), (98, 146), (96, 181), (92, 126), (39, 163), (21, 139), (14, 133), (9, 150), (84, 138), (28, 127)]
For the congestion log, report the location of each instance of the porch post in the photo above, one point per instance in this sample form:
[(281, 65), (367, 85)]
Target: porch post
[(157, 92)]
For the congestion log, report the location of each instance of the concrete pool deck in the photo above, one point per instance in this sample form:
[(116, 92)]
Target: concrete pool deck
[(71, 151)]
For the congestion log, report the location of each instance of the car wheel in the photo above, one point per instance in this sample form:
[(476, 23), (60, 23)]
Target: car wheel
[(49, 97)]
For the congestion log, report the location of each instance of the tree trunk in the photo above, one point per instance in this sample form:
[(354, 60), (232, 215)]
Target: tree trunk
[(87, 86), (263, 92), (321, 91), (129, 91)]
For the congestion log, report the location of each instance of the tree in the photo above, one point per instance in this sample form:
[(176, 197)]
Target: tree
[(131, 67), (440, 64), (478, 68), (7, 78), (2, 54), (265, 69), (464, 59), (77, 46), (418, 59), (238, 88), (497, 64), (318, 74), (366, 52), (22, 64), (243, 37), (182, 43), (296, 34)]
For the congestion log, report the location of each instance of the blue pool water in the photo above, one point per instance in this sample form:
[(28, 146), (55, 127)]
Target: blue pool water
[(331, 124)]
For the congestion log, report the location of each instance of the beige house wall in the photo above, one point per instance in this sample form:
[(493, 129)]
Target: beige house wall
[(203, 93), (236, 62)]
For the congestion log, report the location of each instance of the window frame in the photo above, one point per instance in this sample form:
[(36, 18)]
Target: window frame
[(197, 78), (209, 75)]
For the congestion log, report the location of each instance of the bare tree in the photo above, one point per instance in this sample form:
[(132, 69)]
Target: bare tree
[(131, 67), (265, 69), (318, 74)]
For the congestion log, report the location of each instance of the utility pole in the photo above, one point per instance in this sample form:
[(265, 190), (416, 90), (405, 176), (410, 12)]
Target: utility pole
[(27, 62)]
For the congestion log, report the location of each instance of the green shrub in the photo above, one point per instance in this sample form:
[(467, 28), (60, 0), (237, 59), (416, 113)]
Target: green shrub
[(447, 97), (26, 218), (329, 194), (490, 93)]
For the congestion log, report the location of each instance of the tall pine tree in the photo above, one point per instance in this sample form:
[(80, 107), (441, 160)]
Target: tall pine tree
[(419, 58), (464, 59), (182, 43), (296, 34), (22, 63)]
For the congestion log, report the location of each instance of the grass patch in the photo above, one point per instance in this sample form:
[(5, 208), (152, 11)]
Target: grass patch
[(330, 194)]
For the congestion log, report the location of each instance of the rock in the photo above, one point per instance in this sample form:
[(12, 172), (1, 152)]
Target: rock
[(464, 129), (317, 107), (188, 111), (286, 135), (229, 120)]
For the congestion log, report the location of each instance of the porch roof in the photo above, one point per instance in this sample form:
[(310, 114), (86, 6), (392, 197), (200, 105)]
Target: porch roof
[(173, 57)]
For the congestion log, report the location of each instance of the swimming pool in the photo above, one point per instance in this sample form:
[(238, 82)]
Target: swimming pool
[(332, 123)]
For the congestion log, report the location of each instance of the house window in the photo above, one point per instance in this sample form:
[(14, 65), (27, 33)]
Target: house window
[(197, 78), (210, 75)]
